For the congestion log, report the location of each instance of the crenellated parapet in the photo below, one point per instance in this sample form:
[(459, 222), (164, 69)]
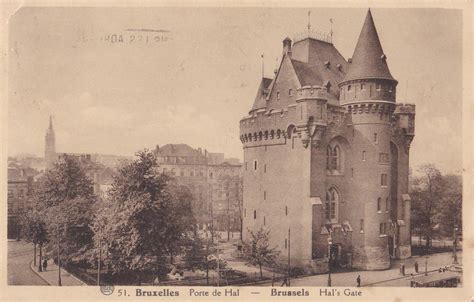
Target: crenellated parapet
[(311, 93), (381, 107), (403, 124)]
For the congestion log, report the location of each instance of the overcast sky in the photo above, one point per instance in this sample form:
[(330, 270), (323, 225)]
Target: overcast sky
[(199, 71)]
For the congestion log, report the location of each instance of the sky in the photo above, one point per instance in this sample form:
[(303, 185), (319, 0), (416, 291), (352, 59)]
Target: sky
[(117, 80)]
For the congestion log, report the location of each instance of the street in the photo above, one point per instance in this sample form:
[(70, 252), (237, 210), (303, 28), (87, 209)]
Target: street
[(20, 254), (384, 278)]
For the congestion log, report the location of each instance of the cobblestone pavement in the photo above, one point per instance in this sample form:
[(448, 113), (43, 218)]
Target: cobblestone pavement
[(20, 254)]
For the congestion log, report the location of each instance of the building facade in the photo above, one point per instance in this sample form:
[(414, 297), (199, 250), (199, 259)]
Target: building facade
[(20, 184), (212, 180), (326, 150)]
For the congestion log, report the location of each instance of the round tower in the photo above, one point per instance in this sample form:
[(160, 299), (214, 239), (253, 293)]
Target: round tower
[(368, 95)]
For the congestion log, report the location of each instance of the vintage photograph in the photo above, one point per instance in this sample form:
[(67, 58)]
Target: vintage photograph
[(233, 147)]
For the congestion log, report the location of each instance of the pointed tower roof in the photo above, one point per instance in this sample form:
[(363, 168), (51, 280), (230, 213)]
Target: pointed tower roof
[(51, 123), (368, 61)]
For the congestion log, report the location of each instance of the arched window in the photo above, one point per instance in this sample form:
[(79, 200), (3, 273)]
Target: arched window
[(333, 158), (331, 205)]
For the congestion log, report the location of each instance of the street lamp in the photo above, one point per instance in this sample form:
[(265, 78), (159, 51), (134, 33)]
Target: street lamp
[(329, 260), (455, 245), (426, 266)]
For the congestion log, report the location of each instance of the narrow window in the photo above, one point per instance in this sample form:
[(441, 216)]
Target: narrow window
[(363, 155), (378, 86), (352, 172), (286, 243), (246, 166), (383, 180), (210, 174), (264, 221), (379, 205), (278, 95), (265, 168), (264, 195), (255, 165), (361, 228), (245, 212), (286, 210), (387, 205), (375, 137), (382, 229), (348, 87), (290, 92), (254, 214), (362, 87)]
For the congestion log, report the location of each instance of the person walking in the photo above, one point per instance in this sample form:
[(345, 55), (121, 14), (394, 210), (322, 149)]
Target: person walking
[(416, 267), (45, 264), (358, 281)]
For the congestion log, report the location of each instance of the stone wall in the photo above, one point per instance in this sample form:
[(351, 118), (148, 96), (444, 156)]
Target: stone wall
[(370, 258)]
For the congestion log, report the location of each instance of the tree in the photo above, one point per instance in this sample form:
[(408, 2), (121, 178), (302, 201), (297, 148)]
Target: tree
[(65, 200), (436, 203), (257, 250), (141, 221), (34, 230), (201, 253)]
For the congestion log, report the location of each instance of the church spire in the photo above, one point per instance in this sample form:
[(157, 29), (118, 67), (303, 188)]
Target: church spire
[(368, 61), (50, 123)]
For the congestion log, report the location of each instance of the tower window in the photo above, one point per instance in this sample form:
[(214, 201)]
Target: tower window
[(383, 157), (290, 92), (382, 229), (383, 180), (333, 158), (265, 168), (286, 243), (390, 88), (245, 212), (331, 204), (387, 205), (375, 137), (362, 86), (286, 210), (264, 221), (349, 87), (278, 95), (264, 195), (378, 86), (246, 166), (254, 214), (352, 172), (364, 155), (255, 165), (361, 227), (379, 205)]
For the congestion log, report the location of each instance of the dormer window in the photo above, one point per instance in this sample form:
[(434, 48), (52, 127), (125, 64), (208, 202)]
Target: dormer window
[(327, 64), (290, 92), (339, 67)]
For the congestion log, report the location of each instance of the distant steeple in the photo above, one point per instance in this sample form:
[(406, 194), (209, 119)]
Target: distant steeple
[(369, 60), (50, 146)]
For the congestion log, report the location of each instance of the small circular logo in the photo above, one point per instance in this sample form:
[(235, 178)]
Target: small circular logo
[(107, 289)]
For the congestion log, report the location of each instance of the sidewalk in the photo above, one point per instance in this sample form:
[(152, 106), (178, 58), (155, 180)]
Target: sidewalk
[(383, 278), (51, 275)]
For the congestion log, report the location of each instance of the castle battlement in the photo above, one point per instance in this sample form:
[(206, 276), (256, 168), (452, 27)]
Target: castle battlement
[(405, 108), (311, 92)]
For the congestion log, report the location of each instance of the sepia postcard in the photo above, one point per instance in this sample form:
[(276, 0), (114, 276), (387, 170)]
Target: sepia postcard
[(208, 151)]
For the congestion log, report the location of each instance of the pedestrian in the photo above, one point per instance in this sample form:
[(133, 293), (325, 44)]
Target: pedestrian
[(416, 267), (45, 264), (358, 281), (285, 281)]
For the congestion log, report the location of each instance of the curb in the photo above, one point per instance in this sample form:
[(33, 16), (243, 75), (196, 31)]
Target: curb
[(38, 274), (65, 271)]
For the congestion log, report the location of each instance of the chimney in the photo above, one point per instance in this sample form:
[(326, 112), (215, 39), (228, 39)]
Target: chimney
[(287, 47)]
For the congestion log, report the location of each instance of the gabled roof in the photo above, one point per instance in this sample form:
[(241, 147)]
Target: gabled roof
[(368, 61), (318, 63), (262, 93)]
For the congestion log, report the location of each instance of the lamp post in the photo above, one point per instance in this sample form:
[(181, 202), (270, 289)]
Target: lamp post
[(426, 266), (329, 260), (455, 240)]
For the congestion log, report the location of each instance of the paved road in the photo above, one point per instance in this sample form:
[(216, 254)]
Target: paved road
[(20, 255)]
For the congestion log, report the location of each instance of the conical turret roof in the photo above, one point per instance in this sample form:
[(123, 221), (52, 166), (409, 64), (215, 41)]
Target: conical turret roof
[(368, 61)]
